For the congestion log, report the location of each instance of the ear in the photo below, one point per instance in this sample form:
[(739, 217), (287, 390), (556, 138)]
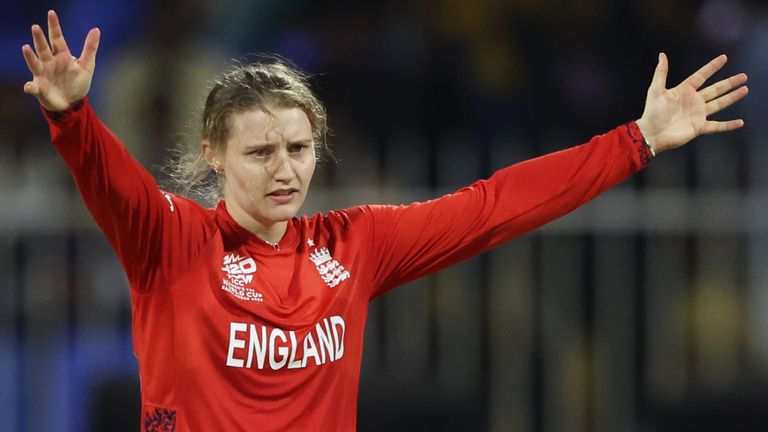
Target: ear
[(211, 156)]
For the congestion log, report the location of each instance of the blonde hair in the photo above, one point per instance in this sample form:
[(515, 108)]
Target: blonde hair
[(271, 82)]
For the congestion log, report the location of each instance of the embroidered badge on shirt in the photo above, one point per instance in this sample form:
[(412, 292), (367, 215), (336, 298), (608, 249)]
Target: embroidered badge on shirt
[(330, 270), (161, 420), (239, 271)]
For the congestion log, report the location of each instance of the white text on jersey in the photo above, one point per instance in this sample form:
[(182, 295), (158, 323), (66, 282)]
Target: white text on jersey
[(277, 349)]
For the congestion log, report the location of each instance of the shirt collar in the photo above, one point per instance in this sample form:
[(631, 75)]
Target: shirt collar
[(235, 235)]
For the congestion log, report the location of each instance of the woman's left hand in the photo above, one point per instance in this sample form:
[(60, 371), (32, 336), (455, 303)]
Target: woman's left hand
[(673, 117)]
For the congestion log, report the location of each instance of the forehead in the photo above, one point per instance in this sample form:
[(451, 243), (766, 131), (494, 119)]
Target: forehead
[(259, 126)]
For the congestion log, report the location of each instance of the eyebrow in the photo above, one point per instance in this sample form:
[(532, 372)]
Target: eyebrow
[(258, 145)]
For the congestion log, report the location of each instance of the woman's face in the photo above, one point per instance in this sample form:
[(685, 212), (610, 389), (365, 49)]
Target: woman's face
[(268, 163)]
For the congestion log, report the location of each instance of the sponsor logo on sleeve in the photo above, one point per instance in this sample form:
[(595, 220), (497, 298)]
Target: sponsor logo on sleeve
[(170, 201)]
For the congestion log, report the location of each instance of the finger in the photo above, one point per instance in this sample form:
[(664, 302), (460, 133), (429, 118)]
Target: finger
[(711, 127), (702, 75), (659, 81), (724, 102), (722, 87), (33, 63), (41, 45), (90, 46), (31, 87), (58, 44)]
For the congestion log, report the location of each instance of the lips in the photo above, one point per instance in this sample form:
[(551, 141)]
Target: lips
[(283, 196), (280, 192)]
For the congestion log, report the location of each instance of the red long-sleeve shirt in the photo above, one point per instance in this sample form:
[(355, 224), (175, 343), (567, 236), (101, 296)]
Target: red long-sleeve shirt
[(233, 334)]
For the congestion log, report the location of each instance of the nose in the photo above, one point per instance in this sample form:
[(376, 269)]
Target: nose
[(283, 171)]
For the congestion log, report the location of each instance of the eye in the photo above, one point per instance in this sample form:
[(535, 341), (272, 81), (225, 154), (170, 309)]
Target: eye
[(297, 147), (260, 152)]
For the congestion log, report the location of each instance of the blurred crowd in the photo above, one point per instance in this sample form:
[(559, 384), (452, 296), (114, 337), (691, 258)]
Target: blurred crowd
[(488, 81), (549, 74)]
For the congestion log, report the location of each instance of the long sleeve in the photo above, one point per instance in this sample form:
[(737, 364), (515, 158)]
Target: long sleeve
[(141, 222), (408, 242)]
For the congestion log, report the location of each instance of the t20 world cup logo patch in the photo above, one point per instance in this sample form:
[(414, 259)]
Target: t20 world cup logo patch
[(239, 275)]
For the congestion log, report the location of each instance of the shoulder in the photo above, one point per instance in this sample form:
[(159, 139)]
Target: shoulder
[(349, 218), (187, 209), (341, 222), (180, 202)]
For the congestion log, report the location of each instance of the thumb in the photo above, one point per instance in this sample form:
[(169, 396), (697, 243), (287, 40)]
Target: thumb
[(659, 82), (31, 87)]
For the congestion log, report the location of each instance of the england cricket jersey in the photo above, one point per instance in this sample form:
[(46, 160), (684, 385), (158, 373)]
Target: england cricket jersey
[(234, 334)]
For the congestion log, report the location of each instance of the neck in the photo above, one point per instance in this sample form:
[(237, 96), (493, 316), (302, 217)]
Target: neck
[(269, 232)]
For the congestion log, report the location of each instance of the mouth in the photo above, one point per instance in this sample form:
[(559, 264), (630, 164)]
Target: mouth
[(283, 196)]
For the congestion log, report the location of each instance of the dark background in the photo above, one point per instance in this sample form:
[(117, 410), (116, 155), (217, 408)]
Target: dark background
[(644, 311)]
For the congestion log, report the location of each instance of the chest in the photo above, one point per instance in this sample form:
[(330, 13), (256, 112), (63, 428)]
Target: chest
[(288, 288)]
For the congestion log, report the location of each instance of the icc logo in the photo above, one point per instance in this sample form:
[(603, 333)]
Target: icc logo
[(240, 270)]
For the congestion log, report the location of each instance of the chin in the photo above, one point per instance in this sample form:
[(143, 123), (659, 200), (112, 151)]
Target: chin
[(283, 214)]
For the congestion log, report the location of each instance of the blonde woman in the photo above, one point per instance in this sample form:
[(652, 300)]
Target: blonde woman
[(247, 317)]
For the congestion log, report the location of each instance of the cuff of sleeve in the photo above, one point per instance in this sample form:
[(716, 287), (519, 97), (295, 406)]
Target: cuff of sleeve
[(639, 142), (58, 116)]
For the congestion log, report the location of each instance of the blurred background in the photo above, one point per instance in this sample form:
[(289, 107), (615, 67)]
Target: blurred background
[(646, 310)]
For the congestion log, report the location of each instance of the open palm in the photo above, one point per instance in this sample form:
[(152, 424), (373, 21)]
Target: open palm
[(673, 117), (59, 78)]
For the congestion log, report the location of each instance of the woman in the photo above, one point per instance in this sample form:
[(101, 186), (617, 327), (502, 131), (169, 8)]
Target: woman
[(248, 318)]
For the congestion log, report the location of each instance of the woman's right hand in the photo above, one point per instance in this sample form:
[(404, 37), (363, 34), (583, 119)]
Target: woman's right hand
[(58, 77)]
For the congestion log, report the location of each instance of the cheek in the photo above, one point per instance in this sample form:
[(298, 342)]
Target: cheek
[(306, 177), (249, 179), (309, 170)]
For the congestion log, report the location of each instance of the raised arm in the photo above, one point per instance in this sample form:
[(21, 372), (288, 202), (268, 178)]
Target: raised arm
[(415, 240), (153, 233), (59, 78)]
